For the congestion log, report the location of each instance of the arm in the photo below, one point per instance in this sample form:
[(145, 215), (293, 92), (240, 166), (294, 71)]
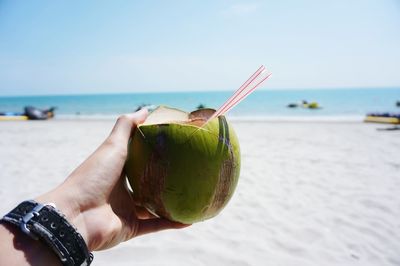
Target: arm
[(94, 200)]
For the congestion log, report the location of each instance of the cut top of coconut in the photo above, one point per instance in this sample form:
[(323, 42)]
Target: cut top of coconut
[(166, 115)]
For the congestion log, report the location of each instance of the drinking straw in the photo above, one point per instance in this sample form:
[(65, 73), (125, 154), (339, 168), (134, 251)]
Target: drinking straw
[(238, 91), (240, 94), (245, 92)]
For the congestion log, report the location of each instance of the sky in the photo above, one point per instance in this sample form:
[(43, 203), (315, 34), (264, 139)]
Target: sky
[(62, 47)]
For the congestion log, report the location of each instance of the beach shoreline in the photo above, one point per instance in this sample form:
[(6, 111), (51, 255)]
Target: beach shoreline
[(310, 193), (261, 103), (237, 119)]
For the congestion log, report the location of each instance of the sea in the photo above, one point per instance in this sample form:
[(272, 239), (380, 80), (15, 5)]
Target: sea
[(347, 104)]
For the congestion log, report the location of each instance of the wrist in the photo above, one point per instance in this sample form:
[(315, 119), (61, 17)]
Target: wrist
[(66, 203), (25, 250), (44, 223)]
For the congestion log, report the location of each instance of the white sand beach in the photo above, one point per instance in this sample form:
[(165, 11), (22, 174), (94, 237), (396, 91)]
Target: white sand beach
[(325, 193)]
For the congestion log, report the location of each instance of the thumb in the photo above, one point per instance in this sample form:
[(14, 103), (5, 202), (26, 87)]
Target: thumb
[(125, 124)]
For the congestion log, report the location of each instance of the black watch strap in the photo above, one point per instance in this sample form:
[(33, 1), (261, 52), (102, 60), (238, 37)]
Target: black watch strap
[(45, 222)]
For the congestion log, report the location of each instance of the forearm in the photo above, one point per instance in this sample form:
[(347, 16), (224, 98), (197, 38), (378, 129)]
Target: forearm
[(94, 200), (16, 248)]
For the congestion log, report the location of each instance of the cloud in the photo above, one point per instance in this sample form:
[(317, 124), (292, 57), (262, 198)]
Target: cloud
[(242, 9)]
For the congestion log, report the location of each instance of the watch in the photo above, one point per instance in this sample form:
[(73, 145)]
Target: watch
[(45, 222)]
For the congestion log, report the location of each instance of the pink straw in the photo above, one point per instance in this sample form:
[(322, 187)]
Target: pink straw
[(260, 75), (241, 93), (240, 90), (239, 99)]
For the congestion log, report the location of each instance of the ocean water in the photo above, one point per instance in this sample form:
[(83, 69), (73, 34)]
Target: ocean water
[(262, 103)]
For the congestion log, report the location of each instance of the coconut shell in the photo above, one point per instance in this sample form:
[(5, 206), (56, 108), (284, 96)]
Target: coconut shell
[(180, 170)]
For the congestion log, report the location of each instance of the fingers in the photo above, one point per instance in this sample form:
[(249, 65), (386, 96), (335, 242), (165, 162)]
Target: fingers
[(143, 213), (123, 127), (157, 224)]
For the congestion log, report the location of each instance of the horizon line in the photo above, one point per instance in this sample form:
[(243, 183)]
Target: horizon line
[(194, 91)]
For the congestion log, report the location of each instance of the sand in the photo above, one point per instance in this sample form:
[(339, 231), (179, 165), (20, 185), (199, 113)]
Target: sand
[(325, 193)]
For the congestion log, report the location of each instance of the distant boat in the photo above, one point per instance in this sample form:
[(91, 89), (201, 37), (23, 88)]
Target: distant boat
[(30, 113), (385, 118), (312, 105), (200, 106), (304, 104), (292, 105)]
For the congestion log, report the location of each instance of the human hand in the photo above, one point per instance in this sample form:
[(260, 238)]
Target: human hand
[(94, 198)]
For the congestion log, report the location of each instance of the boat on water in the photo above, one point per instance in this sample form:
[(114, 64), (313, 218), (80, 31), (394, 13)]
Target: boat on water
[(30, 113), (305, 104), (385, 118), (312, 105)]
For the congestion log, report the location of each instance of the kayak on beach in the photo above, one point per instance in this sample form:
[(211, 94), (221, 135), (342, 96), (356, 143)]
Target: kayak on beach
[(30, 113), (385, 118)]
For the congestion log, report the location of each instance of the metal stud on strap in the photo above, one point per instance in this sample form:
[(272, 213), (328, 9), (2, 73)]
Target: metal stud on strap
[(33, 213)]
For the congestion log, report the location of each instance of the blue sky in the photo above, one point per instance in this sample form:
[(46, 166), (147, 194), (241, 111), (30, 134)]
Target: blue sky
[(59, 47)]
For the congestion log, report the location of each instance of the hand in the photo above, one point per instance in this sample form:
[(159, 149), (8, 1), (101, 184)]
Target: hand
[(95, 200)]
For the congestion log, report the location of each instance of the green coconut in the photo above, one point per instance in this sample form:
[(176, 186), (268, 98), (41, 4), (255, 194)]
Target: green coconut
[(181, 169)]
